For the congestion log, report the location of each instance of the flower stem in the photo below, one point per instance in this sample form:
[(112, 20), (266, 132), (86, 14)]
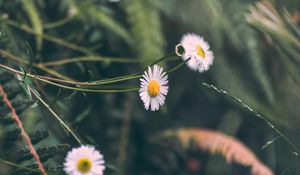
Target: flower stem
[(53, 81), (178, 66), (93, 58)]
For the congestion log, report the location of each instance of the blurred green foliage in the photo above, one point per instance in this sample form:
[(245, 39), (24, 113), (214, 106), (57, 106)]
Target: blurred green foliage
[(257, 58)]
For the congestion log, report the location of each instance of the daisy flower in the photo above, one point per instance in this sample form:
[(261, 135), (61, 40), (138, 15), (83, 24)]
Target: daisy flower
[(154, 87), (197, 51), (84, 160)]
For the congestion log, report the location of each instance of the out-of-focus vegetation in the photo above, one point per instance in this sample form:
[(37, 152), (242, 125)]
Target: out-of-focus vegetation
[(257, 59)]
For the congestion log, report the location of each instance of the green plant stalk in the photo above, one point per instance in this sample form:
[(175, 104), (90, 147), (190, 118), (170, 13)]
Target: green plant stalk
[(19, 166), (108, 81), (244, 105), (66, 87), (56, 116), (55, 73), (58, 23), (65, 79), (36, 22), (70, 81), (178, 66), (89, 59), (132, 76), (48, 37), (10, 56), (43, 66)]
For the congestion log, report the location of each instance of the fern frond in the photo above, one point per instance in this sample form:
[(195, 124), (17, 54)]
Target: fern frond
[(24, 134), (44, 152), (15, 134), (12, 104)]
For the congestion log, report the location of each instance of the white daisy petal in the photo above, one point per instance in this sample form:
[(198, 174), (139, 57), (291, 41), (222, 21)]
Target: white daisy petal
[(150, 72), (85, 160), (155, 70), (198, 51), (153, 87)]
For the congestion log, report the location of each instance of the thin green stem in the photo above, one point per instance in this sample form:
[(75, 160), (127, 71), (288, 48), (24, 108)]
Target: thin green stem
[(247, 107), (86, 89), (50, 80), (55, 73), (48, 37), (122, 78), (58, 23), (10, 56), (178, 66), (130, 76), (90, 59), (67, 80), (115, 80), (19, 166), (100, 59), (68, 87), (162, 58), (56, 116)]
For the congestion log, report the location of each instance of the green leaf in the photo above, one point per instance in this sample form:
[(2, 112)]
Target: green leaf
[(34, 17)]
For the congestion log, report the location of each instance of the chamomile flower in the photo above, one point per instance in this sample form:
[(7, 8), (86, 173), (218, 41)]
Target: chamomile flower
[(154, 87), (196, 49), (85, 160)]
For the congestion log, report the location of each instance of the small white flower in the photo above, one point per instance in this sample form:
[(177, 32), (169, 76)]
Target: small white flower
[(154, 87), (85, 160), (197, 50)]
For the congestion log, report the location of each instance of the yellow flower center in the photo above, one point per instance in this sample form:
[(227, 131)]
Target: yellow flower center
[(200, 51), (153, 88), (84, 165)]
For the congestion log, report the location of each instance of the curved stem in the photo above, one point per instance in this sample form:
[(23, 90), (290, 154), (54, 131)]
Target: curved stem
[(10, 56), (50, 80), (178, 66), (68, 87), (244, 105), (67, 80), (162, 58), (89, 59), (58, 23)]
